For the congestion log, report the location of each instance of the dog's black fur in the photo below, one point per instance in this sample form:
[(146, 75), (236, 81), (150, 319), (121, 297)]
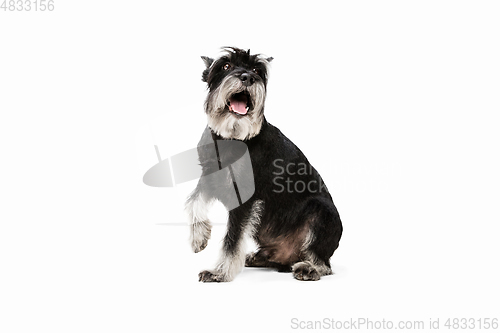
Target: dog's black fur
[(296, 231)]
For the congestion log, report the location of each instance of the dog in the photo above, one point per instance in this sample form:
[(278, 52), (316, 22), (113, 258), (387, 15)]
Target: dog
[(289, 212)]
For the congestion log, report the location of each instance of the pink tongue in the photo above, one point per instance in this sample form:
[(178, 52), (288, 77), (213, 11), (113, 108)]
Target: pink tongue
[(238, 106)]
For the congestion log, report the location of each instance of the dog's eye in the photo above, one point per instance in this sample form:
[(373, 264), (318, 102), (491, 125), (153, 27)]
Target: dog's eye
[(226, 67), (256, 71)]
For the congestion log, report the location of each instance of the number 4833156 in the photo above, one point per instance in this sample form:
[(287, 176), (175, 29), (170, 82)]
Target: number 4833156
[(27, 5), (472, 323)]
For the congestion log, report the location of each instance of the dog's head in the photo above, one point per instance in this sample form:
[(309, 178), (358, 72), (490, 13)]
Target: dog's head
[(237, 92)]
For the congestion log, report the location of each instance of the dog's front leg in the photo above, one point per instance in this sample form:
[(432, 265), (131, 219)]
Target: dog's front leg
[(242, 221), (197, 206), (232, 257)]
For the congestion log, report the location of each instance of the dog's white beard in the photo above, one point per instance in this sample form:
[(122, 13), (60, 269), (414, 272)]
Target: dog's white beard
[(226, 124), (229, 127)]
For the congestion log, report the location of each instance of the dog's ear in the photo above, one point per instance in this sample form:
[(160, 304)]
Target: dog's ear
[(204, 76), (269, 59), (208, 61)]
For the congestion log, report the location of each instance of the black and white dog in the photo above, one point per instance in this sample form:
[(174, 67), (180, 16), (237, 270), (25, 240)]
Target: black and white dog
[(289, 214)]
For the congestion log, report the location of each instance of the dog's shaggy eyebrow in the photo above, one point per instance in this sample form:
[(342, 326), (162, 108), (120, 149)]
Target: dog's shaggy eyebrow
[(258, 58), (224, 59)]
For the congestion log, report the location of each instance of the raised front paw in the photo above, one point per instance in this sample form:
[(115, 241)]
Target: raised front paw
[(212, 276), (200, 234)]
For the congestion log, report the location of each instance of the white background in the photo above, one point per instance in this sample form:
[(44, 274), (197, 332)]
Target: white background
[(395, 103)]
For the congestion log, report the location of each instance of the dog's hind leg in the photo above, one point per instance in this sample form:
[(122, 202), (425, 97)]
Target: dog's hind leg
[(260, 259), (320, 242), (242, 221), (256, 259)]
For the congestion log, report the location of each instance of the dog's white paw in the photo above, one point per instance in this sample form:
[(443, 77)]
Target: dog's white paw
[(200, 234)]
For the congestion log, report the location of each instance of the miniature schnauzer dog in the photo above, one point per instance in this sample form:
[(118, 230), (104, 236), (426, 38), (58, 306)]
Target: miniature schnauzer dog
[(289, 212)]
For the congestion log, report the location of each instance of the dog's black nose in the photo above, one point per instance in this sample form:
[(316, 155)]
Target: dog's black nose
[(247, 79)]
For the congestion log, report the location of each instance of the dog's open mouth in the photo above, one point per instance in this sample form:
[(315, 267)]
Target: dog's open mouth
[(240, 103)]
